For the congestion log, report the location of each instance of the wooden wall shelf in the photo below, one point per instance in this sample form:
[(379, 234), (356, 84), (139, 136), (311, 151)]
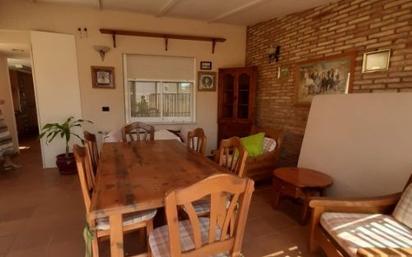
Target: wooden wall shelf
[(165, 36)]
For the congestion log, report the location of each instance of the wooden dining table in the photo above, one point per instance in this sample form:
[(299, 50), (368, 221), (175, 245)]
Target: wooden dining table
[(136, 176)]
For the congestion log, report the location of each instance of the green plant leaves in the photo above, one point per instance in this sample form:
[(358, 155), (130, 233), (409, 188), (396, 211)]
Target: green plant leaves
[(64, 130)]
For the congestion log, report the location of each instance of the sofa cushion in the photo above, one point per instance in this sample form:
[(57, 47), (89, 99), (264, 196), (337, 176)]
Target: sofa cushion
[(354, 231), (403, 210), (269, 144), (253, 144)]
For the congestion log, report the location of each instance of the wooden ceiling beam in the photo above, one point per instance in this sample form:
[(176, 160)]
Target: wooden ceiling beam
[(237, 10), (167, 7)]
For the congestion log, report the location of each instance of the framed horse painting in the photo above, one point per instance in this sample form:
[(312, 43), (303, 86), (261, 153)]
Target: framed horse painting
[(330, 75)]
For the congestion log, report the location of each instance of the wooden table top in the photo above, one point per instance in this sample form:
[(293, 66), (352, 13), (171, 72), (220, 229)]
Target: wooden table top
[(136, 176), (303, 178)]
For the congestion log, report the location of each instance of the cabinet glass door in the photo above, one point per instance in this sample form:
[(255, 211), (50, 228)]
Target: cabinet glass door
[(228, 95), (243, 96)]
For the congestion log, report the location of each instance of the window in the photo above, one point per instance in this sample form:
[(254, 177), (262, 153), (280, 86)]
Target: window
[(166, 101), (159, 89)]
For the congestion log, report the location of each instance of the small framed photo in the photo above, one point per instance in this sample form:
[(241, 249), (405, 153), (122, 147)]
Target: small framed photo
[(376, 61), (205, 65), (207, 81), (102, 77)]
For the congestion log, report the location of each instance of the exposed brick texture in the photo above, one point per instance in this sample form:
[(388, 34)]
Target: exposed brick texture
[(340, 27)]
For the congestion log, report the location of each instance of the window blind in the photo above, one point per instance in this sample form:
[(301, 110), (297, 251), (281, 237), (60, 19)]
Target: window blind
[(152, 67)]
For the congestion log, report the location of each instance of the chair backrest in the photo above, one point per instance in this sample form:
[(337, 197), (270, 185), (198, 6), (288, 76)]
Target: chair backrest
[(230, 200), (137, 131), (232, 155), (85, 173), (91, 146), (196, 140)]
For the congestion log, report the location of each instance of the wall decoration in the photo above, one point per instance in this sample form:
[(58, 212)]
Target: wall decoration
[(283, 72), (102, 50), (376, 61), (103, 77), (205, 65), (274, 53), (330, 75), (207, 81)]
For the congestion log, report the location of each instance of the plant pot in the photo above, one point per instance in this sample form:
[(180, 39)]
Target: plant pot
[(66, 164)]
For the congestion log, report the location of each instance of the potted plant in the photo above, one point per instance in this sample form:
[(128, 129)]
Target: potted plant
[(65, 161)]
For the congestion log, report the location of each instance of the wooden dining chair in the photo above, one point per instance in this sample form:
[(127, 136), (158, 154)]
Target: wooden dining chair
[(137, 131), (232, 156), (220, 234), (101, 227), (91, 145), (196, 141)]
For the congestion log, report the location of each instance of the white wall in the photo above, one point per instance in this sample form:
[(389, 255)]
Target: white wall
[(25, 15), (5, 94), (56, 84), (364, 141)]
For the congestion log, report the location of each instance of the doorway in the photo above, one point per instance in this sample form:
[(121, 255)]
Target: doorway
[(24, 101), (18, 94)]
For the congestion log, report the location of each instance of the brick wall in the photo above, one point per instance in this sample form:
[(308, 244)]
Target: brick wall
[(340, 27)]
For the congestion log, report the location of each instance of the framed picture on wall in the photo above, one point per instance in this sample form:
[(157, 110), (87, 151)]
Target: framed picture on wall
[(376, 61), (205, 65), (102, 77), (331, 75), (207, 81)]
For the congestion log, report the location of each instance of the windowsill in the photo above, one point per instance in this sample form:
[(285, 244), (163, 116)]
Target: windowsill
[(169, 123), (173, 123)]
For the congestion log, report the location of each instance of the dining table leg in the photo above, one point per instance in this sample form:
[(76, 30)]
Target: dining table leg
[(116, 235)]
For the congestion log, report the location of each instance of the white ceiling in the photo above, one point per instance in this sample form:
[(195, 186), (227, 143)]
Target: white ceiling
[(240, 12)]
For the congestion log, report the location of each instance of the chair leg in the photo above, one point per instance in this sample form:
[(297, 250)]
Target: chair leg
[(149, 230)]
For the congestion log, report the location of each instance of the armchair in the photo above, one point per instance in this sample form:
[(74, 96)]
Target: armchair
[(261, 167), (358, 227)]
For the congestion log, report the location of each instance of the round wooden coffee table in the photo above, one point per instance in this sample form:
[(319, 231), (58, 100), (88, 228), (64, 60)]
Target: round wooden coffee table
[(299, 183)]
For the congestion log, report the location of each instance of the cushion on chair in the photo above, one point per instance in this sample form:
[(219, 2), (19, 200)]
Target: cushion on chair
[(403, 210), (159, 239), (353, 231), (202, 206), (253, 144), (129, 219), (269, 144)]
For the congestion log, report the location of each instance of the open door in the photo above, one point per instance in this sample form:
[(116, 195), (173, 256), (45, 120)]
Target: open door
[(57, 88)]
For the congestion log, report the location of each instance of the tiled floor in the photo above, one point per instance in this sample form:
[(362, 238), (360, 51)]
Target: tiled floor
[(42, 215)]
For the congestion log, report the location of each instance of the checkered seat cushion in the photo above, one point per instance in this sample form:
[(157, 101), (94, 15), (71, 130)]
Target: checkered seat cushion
[(159, 239), (202, 206), (269, 144), (133, 218), (354, 231), (403, 210)]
